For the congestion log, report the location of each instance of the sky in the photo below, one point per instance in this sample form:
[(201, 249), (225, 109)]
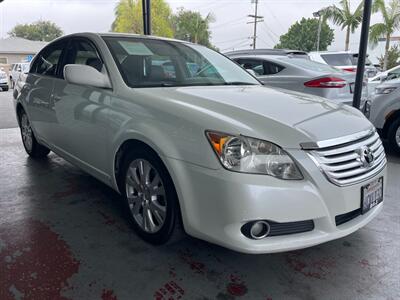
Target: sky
[(229, 31)]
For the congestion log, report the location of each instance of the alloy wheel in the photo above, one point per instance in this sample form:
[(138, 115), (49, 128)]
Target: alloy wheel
[(146, 195), (397, 136), (26, 132)]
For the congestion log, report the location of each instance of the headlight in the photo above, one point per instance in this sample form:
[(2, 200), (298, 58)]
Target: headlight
[(384, 90), (248, 155)]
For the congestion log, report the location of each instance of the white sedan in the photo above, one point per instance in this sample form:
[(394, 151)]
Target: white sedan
[(192, 140)]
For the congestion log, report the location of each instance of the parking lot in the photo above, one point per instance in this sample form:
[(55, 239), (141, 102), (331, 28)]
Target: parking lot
[(63, 234)]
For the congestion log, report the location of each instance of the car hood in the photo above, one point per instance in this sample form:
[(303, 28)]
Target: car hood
[(284, 117)]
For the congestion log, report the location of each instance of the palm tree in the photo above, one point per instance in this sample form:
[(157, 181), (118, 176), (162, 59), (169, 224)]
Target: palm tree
[(391, 23), (343, 17)]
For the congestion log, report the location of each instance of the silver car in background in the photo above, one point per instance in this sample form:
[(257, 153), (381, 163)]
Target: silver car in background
[(385, 112), (301, 75)]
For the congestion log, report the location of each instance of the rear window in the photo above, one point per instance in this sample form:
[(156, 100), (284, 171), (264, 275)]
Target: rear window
[(343, 59), (310, 65)]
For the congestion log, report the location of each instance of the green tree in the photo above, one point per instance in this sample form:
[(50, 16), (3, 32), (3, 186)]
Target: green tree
[(391, 23), (191, 26), (303, 36), (393, 57), (343, 17), (38, 31), (128, 17)]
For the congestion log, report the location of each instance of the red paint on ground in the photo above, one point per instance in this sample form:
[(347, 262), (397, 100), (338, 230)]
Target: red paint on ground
[(35, 262), (196, 266), (108, 295), (315, 268), (236, 287), (169, 291)]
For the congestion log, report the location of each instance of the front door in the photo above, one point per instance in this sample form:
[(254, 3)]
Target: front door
[(82, 112)]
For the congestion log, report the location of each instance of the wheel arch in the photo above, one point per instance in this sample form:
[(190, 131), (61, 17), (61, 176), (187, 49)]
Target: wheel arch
[(123, 149), (393, 115), (19, 109)]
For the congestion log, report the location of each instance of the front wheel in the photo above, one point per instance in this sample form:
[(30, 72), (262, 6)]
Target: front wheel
[(150, 197), (394, 135), (31, 145)]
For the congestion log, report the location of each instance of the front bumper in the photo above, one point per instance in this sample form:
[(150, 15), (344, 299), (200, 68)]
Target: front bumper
[(215, 205)]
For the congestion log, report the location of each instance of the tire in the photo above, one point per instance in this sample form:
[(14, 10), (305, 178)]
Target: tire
[(394, 135), (31, 145), (154, 194)]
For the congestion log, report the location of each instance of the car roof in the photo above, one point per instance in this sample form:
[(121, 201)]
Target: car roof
[(115, 34), (277, 52)]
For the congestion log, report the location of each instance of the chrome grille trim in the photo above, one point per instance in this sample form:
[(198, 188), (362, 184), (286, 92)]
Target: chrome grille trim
[(341, 163)]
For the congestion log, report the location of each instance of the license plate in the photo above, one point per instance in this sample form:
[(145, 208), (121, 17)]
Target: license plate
[(371, 195)]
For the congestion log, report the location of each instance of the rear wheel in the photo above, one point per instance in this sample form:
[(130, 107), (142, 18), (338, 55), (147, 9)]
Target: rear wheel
[(150, 197), (394, 135), (31, 145)]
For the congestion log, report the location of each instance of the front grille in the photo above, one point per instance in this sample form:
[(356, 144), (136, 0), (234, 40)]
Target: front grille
[(290, 227), (343, 218), (342, 164)]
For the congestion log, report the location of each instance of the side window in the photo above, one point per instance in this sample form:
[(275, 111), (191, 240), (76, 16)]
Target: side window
[(271, 68), (48, 60), (82, 52), (252, 64)]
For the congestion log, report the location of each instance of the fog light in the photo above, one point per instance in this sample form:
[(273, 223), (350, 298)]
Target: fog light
[(259, 230)]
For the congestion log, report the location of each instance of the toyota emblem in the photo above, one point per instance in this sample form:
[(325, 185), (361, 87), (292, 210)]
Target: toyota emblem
[(366, 156)]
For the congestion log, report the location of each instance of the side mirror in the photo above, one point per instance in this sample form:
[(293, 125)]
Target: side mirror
[(383, 78), (251, 71), (86, 75)]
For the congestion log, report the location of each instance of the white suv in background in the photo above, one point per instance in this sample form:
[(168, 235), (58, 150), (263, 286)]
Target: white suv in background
[(344, 60), (16, 71)]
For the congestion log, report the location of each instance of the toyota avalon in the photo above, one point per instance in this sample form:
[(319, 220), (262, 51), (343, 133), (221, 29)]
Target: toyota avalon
[(194, 142)]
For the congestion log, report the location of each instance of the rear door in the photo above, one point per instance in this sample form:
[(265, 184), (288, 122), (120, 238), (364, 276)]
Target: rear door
[(82, 111), (266, 71), (39, 87)]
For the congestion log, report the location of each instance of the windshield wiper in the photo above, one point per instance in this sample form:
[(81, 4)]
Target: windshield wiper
[(239, 83)]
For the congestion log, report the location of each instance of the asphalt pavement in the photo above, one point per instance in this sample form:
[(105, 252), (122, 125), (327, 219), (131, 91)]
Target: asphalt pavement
[(7, 115)]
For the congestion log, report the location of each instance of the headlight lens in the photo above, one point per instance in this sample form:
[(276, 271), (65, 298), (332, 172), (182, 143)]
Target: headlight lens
[(384, 90), (249, 155)]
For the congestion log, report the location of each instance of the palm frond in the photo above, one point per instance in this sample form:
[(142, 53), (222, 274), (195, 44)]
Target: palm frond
[(335, 14), (376, 31)]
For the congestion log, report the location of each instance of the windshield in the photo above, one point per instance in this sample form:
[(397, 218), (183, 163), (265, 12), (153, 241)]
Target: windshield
[(310, 65), (145, 62), (25, 67)]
